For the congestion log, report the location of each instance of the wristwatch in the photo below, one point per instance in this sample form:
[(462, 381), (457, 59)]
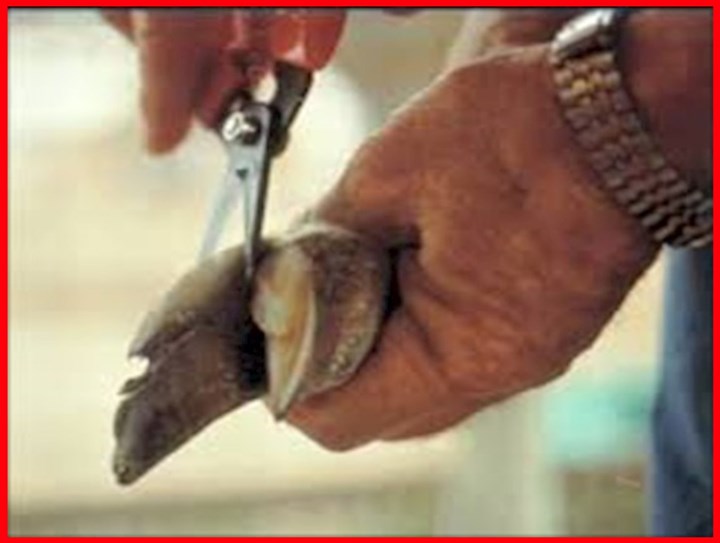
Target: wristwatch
[(609, 128)]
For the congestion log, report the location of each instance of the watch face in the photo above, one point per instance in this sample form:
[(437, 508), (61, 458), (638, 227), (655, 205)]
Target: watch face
[(585, 33)]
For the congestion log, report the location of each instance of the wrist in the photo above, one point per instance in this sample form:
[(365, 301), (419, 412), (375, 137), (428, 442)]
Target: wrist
[(667, 62), (599, 73)]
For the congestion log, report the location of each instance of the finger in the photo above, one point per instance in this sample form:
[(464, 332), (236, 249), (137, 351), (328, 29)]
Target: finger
[(175, 53), (120, 19), (443, 417), (402, 379), (433, 422), (393, 384)]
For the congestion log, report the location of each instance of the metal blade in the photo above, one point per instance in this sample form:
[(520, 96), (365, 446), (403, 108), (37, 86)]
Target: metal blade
[(251, 162), (254, 187), (247, 176), (224, 203)]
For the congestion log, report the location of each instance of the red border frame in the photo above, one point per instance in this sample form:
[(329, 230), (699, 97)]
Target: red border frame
[(284, 3), (357, 4)]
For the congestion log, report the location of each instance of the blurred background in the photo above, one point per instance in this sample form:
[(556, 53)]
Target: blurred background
[(98, 230)]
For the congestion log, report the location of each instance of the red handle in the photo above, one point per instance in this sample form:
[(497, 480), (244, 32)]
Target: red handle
[(305, 38)]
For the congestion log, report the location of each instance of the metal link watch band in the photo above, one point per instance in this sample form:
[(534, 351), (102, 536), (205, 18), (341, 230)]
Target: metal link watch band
[(607, 126)]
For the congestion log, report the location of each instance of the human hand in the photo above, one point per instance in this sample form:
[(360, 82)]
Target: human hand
[(509, 260), (179, 53)]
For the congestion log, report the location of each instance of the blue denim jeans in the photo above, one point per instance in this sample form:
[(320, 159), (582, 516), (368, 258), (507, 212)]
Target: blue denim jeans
[(681, 464)]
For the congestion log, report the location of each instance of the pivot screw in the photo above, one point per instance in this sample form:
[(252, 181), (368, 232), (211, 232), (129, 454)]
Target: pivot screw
[(240, 126)]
